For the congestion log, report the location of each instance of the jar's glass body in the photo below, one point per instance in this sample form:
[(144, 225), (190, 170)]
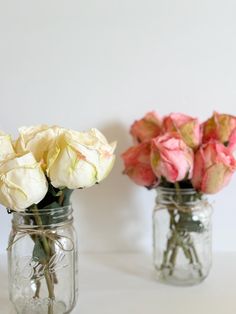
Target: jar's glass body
[(182, 245), (42, 261)]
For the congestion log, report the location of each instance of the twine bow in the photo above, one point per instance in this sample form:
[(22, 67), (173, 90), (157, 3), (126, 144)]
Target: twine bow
[(191, 207)]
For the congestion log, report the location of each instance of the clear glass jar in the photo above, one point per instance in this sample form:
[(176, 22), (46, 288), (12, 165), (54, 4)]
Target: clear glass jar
[(42, 261), (182, 245)]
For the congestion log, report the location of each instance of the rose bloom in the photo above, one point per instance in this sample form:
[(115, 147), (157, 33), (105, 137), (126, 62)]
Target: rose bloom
[(22, 182), (80, 159), (145, 129), (232, 141), (171, 158), (186, 126), (38, 140), (219, 127), (6, 148), (137, 165), (213, 167)]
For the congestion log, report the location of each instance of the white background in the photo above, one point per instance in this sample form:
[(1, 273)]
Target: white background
[(105, 63)]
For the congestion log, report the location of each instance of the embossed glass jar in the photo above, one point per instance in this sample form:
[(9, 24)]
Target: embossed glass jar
[(42, 261), (181, 236)]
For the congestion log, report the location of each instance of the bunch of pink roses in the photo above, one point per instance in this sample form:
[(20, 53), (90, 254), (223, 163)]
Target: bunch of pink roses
[(179, 149)]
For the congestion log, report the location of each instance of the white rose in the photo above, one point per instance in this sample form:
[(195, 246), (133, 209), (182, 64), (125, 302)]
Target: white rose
[(6, 148), (22, 182), (80, 159), (38, 140), (103, 150)]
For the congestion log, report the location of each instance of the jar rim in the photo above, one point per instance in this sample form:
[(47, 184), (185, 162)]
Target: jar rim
[(174, 190), (44, 211)]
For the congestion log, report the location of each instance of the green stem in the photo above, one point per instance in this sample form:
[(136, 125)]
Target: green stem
[(166, 253), (47, 250), (170, 241), (50, 291), (197, 260), (173, 259), (179, 196), (38, 285), (189, 254), (61, 199), (176, 241), (40, 224)]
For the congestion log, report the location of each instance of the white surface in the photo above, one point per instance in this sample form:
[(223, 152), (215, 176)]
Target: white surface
[(104, 63), (124, 283)]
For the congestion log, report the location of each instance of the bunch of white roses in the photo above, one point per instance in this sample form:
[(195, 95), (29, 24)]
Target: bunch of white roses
[(44, 156)]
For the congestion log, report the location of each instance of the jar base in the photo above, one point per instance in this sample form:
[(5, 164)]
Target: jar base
[(39, 306), (179, 278)]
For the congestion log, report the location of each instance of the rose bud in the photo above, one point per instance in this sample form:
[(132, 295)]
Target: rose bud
[(38, 140), (232, 141), (186, 126), (171, 158), (214, 165), (145, 129), (137, 165), (219, 127), (22, 182), (6, 148), (80, 159)]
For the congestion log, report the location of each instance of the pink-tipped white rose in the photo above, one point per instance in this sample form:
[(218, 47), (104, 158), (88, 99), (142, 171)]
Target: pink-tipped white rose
[(214, 166), (188, 127), (80, 159), (38, 140), (137, 165), (171, 158), (145, 129)]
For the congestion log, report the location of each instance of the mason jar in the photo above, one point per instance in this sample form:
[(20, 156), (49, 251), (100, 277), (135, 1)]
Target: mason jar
[(42, 261), (182, 236)]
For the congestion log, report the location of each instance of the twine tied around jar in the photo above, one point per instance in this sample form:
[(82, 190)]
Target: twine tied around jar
[(187, 207), (41, 233)]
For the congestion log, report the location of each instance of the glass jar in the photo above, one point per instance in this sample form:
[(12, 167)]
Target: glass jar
[(182, 245), (42, 261)]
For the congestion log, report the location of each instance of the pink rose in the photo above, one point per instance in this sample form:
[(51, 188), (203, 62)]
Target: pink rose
[(171, 157), (232, 141), (213, 167), (219, 127), (186, 126), (137, 165), (145, 129)]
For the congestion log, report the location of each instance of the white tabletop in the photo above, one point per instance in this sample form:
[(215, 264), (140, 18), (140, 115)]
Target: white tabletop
[(125, 284)]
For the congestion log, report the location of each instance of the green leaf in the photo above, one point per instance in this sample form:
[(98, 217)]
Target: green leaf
[(52, 205), (188, 223), (39, 254), (67, 195)]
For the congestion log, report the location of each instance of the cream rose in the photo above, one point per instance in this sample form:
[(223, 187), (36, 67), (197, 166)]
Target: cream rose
[(80, 159), (22, 182), (38, 140), (6, 148)]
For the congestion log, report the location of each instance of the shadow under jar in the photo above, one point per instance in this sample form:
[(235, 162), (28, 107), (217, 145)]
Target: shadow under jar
[(42, 261), (182, 244)]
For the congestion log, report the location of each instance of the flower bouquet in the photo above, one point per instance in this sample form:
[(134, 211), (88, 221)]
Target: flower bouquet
[(38, 173), (184, 160)]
